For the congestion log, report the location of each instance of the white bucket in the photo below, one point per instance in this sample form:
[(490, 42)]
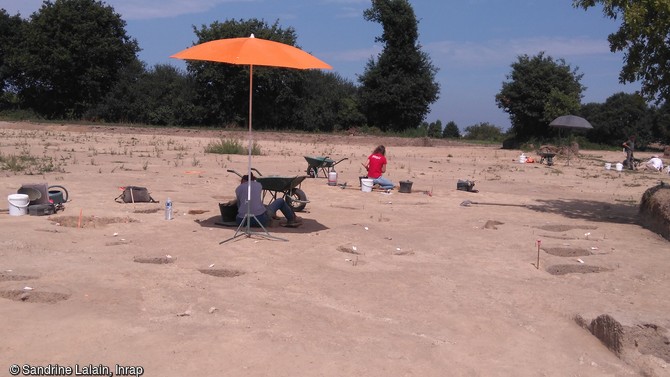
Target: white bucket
[(18, 204), (608, 166), (619, 166), (366, 184), (332, 178), (522, 158)]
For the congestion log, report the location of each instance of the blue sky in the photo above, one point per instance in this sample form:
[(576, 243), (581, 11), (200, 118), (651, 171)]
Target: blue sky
[(473, 42)]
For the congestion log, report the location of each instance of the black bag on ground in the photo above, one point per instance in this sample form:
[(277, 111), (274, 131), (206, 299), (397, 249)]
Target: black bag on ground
[(135, 194), (465, 185)]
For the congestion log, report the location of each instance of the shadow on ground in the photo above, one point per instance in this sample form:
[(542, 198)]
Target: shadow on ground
[(589, 210), (308, 226)]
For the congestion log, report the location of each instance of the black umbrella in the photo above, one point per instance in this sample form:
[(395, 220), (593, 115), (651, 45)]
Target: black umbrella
[(570, 122)]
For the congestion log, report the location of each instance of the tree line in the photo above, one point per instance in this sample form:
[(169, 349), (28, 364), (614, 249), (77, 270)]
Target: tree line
[(72, 59)]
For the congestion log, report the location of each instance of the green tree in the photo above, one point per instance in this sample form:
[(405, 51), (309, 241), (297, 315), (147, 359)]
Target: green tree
[(10, 37), (121, 104), (434, 129), (71, 54), (643, 37), (164, 95), (620, 116), (539, 89), (223, 89), (330, 103), (661, 124), (484, 131), (451, 130), (398, 87)]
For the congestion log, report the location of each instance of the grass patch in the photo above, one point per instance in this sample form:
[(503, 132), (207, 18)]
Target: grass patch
[(28, 164), (231, 146)]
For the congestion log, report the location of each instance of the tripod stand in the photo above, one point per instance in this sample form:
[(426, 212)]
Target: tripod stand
[(245, 226)]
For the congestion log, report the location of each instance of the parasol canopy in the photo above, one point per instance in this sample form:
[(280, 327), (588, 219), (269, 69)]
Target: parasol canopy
[(571, 122), (252, 51)]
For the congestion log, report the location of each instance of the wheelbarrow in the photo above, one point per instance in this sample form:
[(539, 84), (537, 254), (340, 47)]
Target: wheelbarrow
[(325, 164), (273, 185), (547, 157)]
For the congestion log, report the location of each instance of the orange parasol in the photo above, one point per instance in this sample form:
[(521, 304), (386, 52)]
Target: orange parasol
[(251, 51)]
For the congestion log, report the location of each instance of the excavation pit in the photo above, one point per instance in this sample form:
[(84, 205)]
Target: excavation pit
[(222, 273), (34, 296), (564, 269)]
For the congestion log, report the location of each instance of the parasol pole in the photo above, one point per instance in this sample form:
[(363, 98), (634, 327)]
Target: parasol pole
[(248, 216), (251, 85)]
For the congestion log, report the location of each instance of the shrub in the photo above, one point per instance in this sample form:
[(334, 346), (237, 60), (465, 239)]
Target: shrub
[(231, 146)]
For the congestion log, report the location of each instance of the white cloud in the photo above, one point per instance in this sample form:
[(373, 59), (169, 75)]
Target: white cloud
[(151, 9), (130, 9), (367, 2), (350, 12), (354, 55), (495, 52)]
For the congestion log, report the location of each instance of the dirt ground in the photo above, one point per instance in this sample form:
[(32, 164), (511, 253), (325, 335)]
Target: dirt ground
[(373, 284)]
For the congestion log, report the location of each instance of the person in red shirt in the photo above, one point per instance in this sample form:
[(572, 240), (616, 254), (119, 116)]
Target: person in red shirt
[(376, 167)]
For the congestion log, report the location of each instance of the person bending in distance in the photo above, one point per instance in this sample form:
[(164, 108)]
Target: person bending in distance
[(654, 163), (263, 215), (376, 167), (629, 148)]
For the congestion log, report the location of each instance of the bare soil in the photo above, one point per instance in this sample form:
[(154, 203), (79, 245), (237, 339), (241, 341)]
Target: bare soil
[(372, 284)]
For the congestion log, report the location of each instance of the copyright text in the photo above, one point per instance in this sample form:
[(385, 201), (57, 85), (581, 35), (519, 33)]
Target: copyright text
[(75, 370)]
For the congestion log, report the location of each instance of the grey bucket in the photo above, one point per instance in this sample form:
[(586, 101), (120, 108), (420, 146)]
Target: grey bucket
[(405, 187)]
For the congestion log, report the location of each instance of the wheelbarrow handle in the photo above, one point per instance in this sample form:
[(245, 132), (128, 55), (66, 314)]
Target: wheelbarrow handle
[(233, 171), (340, 161), (240, 175)]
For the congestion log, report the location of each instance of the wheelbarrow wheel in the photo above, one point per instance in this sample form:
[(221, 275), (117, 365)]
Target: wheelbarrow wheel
[(297, 199)]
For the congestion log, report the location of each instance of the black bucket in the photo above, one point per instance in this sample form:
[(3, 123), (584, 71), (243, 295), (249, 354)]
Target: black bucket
[(405, 187), (58, 195), (228, 212)]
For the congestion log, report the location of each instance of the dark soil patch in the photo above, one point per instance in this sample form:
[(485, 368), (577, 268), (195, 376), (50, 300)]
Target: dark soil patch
[(12, 277), (564, 228), (149, 210), (564, 269), (348, 250), (557, 237), (197, 211), (345, 207), (222, 273), (492, 224), (117, 243), (566, 252), (153, 260), (90, 221), (34, 296), (47, 230)]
